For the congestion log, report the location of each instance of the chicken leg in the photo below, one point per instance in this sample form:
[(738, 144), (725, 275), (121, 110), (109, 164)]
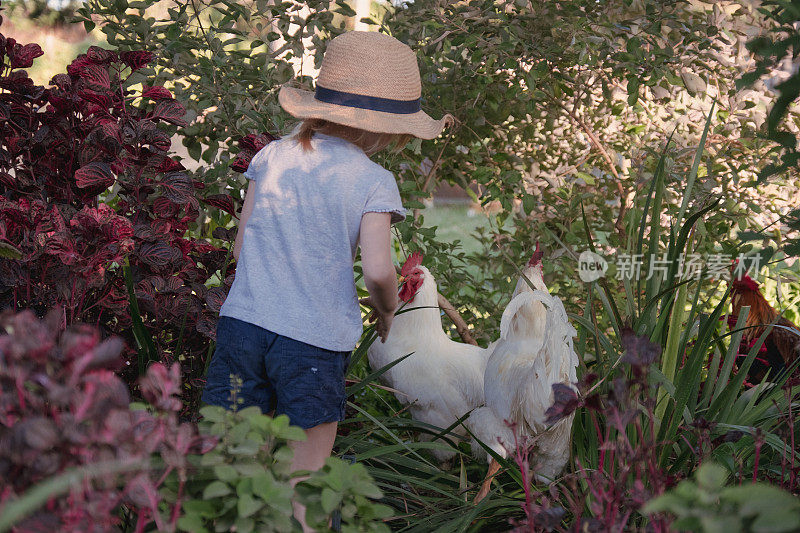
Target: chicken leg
[(494, 467)]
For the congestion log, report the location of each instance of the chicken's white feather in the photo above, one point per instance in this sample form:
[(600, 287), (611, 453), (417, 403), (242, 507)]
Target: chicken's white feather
[(443, 379), (535, 351)]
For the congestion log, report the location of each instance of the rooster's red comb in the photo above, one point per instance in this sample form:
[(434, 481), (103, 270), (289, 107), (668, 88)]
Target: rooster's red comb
[(414, 260), (745, 283), (536, 258)]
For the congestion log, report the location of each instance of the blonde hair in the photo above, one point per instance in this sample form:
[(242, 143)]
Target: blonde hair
[(369, 141)]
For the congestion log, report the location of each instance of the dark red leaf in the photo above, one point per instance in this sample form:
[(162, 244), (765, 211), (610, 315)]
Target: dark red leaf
[(136, 59), (157, 92), (170, 111), (95, 174), (177, 187), (159, 254), (565, 401), (107, 354), (242, 161), (221, 201), (62, 81), (78, 64), (224, 234), (100, 56), (141, 492), (165, 208), (96, 76), (61, 246), (162, 226), (639, 351), (159, 140), (215, 298), (161, 386), (100, 99), (40, 433), (23, 56), (204, 444), (6, 179), (207, 326), (111, 129), (254, 142), (169, 165)]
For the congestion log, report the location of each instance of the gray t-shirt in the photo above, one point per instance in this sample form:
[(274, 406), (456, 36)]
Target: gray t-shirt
[(295, 271)]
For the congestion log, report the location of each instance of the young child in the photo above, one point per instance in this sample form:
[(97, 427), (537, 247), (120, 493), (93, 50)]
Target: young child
[(292, 318)]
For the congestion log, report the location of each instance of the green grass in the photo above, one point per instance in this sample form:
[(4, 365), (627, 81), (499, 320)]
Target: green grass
[(456, 222)]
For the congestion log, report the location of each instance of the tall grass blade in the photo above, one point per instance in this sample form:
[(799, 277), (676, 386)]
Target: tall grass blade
[(145, 347), (669, 360), (698, 156)]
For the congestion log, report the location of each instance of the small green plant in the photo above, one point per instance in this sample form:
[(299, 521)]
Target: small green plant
[(349, 488), (706, 504), (245, 483)]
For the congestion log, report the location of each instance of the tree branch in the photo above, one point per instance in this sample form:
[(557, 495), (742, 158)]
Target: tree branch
[(458, 322)]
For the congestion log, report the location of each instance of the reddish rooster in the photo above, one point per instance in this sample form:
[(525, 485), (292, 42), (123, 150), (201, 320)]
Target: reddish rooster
[(781, 347)]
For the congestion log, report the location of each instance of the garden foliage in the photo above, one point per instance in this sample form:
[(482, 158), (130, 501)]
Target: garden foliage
[(559, 107), (62, 408), (244, 483), (705, 503), (91, 201), (608, 126)]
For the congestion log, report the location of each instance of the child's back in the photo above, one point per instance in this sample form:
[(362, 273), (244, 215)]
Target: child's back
[(301, 239)]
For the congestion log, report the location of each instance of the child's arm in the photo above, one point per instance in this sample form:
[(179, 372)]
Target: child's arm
[(247, 210), (379, 273)]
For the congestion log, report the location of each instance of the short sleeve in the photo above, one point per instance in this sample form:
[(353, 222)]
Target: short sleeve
[(385, 198), (258, 165)]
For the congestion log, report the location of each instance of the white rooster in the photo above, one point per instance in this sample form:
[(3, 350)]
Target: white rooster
[(534, 352), (443, 379)]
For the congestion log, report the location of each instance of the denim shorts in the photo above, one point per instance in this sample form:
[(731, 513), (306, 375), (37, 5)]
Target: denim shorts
[(293, 378)]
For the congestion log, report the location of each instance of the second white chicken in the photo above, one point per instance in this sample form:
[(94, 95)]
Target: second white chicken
[(534, 352)]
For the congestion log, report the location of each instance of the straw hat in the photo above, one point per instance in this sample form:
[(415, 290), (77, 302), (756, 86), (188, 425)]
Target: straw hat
[(370, 81)]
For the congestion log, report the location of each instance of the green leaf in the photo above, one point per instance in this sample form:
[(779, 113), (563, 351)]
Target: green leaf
[(216, 489), (213, 413), (226, 472), (330, 499), (247, 505), (666, 502), (199, 508), (529, 203), (192, 523), (776, 522), (711, 475), (9, 251)]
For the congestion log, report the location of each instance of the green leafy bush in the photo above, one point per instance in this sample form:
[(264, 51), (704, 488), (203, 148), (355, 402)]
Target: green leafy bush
[(706, 504), (348, 488), (245, 483)]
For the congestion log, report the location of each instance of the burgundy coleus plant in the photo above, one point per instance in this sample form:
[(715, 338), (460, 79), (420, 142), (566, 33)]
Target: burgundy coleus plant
[(63, 407), (249, 146), (87, 185)]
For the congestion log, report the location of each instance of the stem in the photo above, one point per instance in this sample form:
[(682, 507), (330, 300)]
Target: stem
[(759, 443)]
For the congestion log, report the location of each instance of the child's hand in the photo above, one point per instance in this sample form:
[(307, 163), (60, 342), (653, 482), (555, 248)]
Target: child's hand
[(383, 321)]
